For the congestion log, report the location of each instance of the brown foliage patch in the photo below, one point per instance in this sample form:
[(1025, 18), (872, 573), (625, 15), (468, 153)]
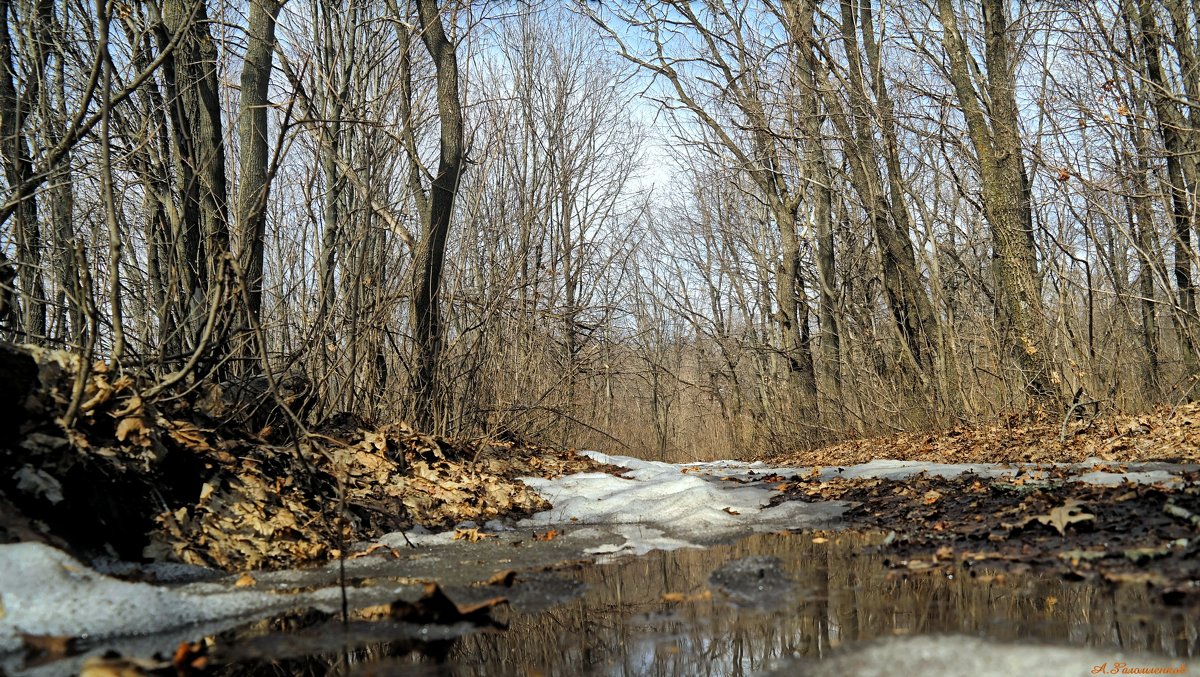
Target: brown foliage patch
[(159, 476), (1165, 434)]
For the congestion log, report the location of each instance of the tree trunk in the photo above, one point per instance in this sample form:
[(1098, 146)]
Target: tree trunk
[(194, 107), (253, 182), (1181, 175), (820, 191), (911, 309), (995, 136), (18, 169), (430, 255)]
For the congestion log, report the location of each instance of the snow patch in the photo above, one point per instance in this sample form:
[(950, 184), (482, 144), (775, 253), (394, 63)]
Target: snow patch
[(672, 505), (702, 502), (44, 591)]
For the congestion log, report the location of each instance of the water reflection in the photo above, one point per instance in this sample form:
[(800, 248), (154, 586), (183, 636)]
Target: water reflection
[(630, 620)]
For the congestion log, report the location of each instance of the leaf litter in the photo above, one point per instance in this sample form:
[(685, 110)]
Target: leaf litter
[(178, 477), (1116, 533)]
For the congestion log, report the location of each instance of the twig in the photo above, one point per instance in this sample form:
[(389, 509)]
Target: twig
[(1075, 405), (201, 346), (84, 281), (1182, 513)]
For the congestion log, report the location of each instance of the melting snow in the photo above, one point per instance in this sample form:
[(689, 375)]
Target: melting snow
[(676, 505), (44, 591), (681, 505)]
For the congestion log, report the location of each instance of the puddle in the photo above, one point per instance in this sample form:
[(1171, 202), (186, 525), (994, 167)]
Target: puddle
[(770, 601)]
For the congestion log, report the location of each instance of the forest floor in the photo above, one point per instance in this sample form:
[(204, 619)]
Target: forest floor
[(1122, 531), (186, 477), (192, 476)]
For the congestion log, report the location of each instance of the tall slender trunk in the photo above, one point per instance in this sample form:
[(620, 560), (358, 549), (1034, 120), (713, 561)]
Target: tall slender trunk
[(1181, 176), (18, 168), (912, 312), (253, 182), (818, 177), (429, 258), (190, 77)]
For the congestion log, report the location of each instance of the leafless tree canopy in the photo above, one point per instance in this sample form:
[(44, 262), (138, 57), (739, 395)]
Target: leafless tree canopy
[(674, 227)]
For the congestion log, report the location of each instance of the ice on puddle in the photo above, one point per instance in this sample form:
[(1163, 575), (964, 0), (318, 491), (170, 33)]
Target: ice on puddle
[(639, 540), (44, 591)]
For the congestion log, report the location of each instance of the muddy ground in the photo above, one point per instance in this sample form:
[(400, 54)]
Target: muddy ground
[(1131, 533), (1128, 533)]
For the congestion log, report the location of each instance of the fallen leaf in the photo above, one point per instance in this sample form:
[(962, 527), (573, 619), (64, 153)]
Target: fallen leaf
[(1065, 515), (132, 426), (731, 511), (472, 535), (190, 658), (547, 536), (375, 547), (40, 649), (503, 578), (435, 607), (112, 665), (245, 581)]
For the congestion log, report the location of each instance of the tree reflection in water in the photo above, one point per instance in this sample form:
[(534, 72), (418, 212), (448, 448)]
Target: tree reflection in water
[(629, 621)]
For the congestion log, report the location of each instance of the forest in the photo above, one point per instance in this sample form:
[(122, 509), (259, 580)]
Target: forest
[(669, 228)]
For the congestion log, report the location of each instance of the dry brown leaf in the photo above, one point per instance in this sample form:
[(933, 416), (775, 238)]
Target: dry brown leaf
[(132, 427), (503, 578), (190, 658), (40, 649), (435, 607), (1065, 515), (245, 581), (472, 535), (119, 666), (374, 548)]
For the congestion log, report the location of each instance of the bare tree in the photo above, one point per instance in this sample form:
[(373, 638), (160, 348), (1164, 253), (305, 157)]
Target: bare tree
[(993, 123)]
